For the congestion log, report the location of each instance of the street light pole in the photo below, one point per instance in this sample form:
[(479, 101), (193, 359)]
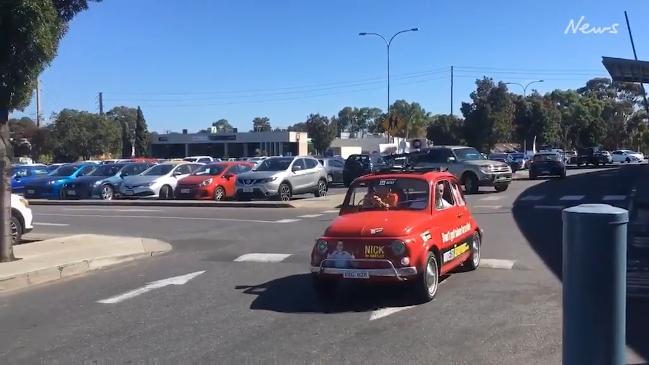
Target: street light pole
[(524, 86)]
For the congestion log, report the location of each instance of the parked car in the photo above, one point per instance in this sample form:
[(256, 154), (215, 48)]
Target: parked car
[(334, 168), (51, 186), (605, 156), (201, 159), (21, 218), (212, 181), (626, 156), (591, 156), (104, 182), (520, 160), (467, 164), (361, 164), (22, 174), (547, 164), (402, 227), (158, 181), (506, 158), (283, 177)]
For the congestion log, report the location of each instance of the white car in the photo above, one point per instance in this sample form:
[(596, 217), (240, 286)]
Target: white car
[(627, 156), (158, 181), (21, 218), (201, 159)]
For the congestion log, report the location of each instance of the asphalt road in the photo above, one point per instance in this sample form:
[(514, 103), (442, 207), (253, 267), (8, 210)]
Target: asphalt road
[(252, 312)]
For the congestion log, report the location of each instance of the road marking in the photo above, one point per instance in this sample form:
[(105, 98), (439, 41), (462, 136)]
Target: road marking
[(331, 211), (384, 312), (286, 221), (488, 206), (262, 257), (176, 280), (613, 197), (309, 216), (572, 197), (532, 197), (51, 224), (493, 198), (113, 210), (549, 206), (497, 264), (175, 218)]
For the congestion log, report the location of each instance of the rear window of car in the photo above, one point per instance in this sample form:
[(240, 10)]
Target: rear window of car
[(403, 193), (546, 157)]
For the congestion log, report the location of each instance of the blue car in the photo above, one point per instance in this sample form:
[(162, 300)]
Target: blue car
[(50, 186), (103, 183), (22, 174)]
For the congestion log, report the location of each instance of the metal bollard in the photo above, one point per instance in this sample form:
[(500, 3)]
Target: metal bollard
[(594, 284)]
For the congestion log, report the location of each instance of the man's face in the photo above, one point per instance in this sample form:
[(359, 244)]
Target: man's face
[(440, 190), (339, 246)]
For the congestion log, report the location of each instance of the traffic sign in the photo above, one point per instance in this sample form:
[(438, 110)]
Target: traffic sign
[(393, 124)]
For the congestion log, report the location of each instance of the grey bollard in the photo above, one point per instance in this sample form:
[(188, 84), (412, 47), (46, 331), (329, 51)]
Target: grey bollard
[(594, 284)]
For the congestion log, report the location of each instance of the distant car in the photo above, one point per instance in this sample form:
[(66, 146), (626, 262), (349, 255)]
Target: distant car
[(520, 161), (626, 156), (506, 158), (547, 164), (334, 168), (22, 174), (158, 181), (200, 159), (361, 164), (606, 157), (21, 218), (591, 156), (282, 178), (104, 182), (257, 160), (51, 186), (215, 181)]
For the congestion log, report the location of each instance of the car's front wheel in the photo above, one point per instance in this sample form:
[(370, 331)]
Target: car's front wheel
[(428, 281), (16, 230), (219, 193), (501, 187), (321, 189), (284, 192), (473, 261), (107, 192), (166, 193), (470, 182)]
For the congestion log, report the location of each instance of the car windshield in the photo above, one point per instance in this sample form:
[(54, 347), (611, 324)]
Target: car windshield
[(274, 164), (546, 157), (107, 170), (158, 170), (209, 170), (65, 170), (467, 154), (190, 159), (517, 156), (387, 194)]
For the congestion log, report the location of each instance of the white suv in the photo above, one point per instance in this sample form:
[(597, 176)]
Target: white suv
[(21, 218)]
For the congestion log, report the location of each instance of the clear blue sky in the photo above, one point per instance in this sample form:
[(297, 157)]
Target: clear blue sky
[(188, 63)]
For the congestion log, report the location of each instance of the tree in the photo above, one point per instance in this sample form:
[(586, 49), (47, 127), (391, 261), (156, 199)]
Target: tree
[(321, 131), (445, 129), (126, 118), (82, 135), (42, 145), (223, 125), (261, 124), (31, 31), (415, 117), (141, 135), (297, 127), (489, 117)]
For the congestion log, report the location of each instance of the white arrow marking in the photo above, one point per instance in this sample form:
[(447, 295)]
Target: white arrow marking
[(176, 280)]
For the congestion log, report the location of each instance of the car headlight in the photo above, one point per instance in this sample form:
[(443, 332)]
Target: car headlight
[(267, 180), (321, 246), (487, 169), (23, 201), (206, 182), (51, 182), (398, 247), (98, 182)]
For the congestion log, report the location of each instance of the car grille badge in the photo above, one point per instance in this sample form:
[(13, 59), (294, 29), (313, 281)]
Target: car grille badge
[(376, 230)]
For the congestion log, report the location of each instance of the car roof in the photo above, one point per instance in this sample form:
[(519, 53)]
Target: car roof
[(420, 175)]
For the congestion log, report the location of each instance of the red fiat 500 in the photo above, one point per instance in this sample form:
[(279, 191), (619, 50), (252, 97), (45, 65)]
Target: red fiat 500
[(398, 226), (213, 181)]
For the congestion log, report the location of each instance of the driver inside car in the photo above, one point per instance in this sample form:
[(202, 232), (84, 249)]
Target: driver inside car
[(380, 197)]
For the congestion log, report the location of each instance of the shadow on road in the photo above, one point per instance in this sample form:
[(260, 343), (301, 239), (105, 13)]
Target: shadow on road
[(543, 229)]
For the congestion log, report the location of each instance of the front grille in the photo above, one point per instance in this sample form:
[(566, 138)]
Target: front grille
[(500, 169)]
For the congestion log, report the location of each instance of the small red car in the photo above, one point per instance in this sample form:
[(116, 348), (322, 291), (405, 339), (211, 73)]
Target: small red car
[(410, 226), (212, 181)]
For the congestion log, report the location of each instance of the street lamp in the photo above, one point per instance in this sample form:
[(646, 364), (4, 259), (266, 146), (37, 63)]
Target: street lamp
[(387, 44), (524, 86)]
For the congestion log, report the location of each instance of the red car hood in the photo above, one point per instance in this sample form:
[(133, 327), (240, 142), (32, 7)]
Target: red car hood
[(193, 180), (378, 224)]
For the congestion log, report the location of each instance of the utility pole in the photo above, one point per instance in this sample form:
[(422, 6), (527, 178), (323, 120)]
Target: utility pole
[(635, 55), (101, 103), (451, 90), (38, 104)]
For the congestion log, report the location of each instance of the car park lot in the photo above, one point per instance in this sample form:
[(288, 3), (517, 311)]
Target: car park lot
[(254, 302)]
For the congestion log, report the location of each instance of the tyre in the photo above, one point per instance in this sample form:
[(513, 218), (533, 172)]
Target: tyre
[(284, 192), (563, 175), (501, 187), (473, 261), (166, 193), (628, 160), (321, 189), (107, 192), (219, 193), (16, 228), (427, 282), (533, 176), (470, 182), (324, 288)]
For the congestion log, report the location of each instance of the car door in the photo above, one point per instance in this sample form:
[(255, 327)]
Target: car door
[(311, 175), (337, 170), (180, 172), (298, 181), (451, 219)]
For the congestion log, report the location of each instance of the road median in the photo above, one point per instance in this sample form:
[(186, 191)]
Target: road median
[(62, 257)]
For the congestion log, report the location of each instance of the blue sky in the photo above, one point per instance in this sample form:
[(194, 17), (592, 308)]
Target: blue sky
[(188, 63)]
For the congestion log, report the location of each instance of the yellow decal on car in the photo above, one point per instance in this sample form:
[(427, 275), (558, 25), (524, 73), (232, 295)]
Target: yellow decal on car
[(374, 252), (455, 252), (455, 233)]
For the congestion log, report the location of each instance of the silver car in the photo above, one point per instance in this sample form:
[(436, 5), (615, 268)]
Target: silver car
[(283, 177), (334, 167)]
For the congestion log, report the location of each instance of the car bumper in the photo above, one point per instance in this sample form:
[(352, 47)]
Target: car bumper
[(551, 171), (184, 192), (28, 220), (258, 190), (493, 179), (389, 271), (138, 192)]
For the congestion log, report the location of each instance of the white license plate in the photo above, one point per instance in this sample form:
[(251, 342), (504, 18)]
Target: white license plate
[(71, 192), (248, 190), (545, 172), (356, 275), (185, 191), (128, 192), (30, 191)]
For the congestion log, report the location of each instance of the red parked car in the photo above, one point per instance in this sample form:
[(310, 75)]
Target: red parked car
[(407, 227), (212, 181)]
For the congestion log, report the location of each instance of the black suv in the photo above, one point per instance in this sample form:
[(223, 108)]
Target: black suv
[(359, 165), (591, 156)]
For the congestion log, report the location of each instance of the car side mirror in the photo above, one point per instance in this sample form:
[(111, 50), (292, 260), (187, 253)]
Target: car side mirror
[(296, 168), (450, 159), (228, 176), (123, 174), (177, 173)]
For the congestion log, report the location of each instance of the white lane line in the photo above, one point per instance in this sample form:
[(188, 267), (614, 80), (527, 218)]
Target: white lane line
[(491, 198), (262, 257), (572, 197), (331, 211), (532, 197), (176, 280), (497, 264), (113, 210), (309, 216), (488, 206), (51, 224), (384, 312), (165, 217), (549, 206), (613, 197)]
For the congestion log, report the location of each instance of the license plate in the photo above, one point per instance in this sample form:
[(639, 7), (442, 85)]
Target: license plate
[(31, 191), (545, 172), (128, 192), (71, 192), (374, 252), (247, 190), (356, 275), (185, 191)]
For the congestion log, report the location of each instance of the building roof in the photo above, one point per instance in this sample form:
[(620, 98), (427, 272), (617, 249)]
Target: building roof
[(626, 70)]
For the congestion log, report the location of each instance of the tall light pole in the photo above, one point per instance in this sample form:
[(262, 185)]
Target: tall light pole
[(523, 86), (387, 44)]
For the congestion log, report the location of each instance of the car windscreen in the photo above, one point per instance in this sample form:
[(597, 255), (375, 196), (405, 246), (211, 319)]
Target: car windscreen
[(274, 164), (467, 154), (387, 194), (158, 170), (190, 159), (546, 157), (106, 170), (66, 170), (209, 170), (517, 156)]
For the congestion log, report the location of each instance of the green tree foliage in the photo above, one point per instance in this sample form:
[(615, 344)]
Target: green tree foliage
[(297, 127), (357, 121), (142, 141), (415, 117), (536, 116), (321, 131), (223, 125), (261, 124), (82, 135), (444, 129), (489, 117), (125, 117), (42, 145)]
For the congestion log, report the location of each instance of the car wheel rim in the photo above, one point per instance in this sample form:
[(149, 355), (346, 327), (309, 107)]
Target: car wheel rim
[(322, 188), (285, 194), (476, 250), (219, 194), (431, 277), (165, 193), (107, 193), (14, 232)]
